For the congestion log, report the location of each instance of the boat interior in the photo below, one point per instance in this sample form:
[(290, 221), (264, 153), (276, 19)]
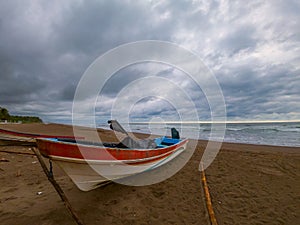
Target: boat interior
[(160, 142)]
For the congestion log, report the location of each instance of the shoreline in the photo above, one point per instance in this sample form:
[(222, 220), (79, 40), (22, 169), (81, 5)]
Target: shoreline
[(47, 128)]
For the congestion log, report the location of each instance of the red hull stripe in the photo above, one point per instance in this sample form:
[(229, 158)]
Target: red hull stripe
[(51, 148), (152, 160)]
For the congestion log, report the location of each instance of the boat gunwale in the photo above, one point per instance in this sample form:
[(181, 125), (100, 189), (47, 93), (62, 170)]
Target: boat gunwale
[(116, 161), (51, 140)]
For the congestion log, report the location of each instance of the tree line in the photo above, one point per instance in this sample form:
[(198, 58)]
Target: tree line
[(5, 116)]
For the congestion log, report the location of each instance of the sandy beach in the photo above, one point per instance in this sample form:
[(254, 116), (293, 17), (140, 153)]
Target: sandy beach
[(249, 184)]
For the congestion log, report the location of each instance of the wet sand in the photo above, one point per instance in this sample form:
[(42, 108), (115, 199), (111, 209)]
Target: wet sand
[(249, 184)]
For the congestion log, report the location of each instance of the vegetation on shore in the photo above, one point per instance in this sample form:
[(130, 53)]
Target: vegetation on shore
[(5, 116)]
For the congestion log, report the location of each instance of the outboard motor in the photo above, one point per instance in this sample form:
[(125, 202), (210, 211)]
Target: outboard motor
[(128, 141), (114, 125), (175, 133)]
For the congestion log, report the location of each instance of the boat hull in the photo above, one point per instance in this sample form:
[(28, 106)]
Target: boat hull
[(89, 171)]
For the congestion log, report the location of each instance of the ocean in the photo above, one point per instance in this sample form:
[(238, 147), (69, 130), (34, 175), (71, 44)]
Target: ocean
[(278, 133)]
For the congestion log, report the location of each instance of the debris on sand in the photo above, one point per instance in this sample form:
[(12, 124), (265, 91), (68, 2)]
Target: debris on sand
[(4, 160)]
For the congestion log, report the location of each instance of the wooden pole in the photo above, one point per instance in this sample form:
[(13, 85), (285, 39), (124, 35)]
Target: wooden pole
[(211, 213), (57, 187), (19, 153), (5, 141)]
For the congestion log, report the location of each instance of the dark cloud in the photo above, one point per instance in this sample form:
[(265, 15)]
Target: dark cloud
[(253, 49), (238, 39), (98, 26), (252, 91)]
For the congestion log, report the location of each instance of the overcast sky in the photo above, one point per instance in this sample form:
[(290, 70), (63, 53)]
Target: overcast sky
[(252, 48)]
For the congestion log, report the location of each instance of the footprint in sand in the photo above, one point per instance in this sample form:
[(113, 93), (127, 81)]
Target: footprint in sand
[(271, 171)]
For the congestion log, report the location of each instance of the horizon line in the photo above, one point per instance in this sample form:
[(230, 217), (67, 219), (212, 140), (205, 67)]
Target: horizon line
[(226, 121)]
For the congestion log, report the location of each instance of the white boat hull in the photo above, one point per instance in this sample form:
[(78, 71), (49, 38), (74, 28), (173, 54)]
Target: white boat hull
[(88, 175)]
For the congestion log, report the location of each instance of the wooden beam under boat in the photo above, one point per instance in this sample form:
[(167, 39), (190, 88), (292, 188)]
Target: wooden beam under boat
[(29, 135), (4, 141)]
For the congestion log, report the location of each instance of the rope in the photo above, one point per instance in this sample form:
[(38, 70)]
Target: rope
[(211, 213), (58, 189), (49, 174)]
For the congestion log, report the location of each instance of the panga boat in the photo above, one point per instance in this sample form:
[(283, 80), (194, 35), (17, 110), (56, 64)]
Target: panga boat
[(90, 164)]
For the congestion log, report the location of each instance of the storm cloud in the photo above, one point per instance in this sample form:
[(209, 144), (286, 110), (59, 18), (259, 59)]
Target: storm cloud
[(253, 49)]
